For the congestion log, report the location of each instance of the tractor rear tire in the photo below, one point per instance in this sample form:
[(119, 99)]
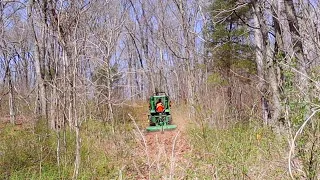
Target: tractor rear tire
[(152, 124)]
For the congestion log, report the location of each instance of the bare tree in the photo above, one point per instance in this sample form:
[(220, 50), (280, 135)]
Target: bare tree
[(39, 50)]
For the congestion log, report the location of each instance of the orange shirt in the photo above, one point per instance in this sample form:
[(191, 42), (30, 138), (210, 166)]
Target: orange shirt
[(159, 107)]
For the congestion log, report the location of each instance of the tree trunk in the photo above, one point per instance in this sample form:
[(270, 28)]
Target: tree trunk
[(262, 86), (11, 98), (77, 123), (298, 52), (109, 98), (285, 32), (37, 63)]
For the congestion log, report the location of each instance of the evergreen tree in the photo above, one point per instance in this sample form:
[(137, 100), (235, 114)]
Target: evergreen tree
[(229, 43), (229, 37)]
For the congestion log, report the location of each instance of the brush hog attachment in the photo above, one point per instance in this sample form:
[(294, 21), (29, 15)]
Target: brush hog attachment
[(161, 124), (161, 128)]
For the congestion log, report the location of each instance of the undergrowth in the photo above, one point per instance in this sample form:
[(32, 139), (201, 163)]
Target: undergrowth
[(32, 153), (242, 151)]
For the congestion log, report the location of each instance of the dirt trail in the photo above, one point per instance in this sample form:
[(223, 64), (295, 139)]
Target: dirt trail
[(164, 151)]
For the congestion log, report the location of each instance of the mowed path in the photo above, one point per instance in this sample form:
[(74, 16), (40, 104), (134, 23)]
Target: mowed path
[(165, 152)]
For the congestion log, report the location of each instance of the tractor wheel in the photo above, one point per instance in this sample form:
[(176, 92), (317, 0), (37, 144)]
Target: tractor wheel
[(152, 124), (150, 121)]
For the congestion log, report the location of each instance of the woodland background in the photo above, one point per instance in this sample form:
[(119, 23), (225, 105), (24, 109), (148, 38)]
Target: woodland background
[(245, 73)]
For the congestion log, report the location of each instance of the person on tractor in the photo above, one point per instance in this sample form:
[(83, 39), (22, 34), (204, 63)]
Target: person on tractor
[(159, 106)]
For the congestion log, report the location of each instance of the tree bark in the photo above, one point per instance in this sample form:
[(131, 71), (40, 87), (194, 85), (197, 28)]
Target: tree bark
[(262, 86)]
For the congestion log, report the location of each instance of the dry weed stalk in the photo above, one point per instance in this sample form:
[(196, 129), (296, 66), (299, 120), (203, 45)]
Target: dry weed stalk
[(172, 160), (292, 146), (144, 143)]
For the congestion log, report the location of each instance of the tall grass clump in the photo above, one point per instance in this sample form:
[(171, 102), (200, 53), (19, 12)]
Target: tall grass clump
[(241, 151)]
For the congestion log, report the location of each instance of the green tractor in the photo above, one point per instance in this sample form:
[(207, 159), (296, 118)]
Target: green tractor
[(159, 113)]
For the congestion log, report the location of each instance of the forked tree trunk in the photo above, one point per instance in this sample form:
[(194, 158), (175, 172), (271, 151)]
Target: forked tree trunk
[(37, 62)]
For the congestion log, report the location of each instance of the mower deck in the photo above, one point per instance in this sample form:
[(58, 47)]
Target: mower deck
[(161, 128)]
